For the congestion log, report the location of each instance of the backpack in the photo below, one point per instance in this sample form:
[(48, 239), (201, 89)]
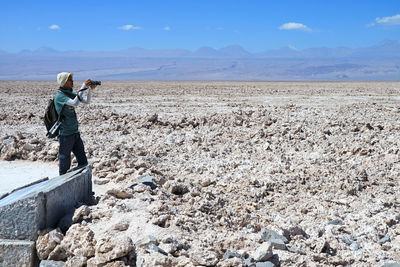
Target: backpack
[(52, 120)]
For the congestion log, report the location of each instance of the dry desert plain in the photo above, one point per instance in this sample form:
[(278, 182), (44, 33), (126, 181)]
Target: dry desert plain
[(284, 173)]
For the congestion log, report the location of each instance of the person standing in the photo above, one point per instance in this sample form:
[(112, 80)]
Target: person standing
[(69, 137)]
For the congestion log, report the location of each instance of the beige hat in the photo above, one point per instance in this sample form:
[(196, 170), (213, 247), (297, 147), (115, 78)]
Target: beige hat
[(63, 77)]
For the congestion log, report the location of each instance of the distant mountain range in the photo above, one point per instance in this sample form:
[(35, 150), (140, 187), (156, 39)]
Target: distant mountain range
[(378, 62)]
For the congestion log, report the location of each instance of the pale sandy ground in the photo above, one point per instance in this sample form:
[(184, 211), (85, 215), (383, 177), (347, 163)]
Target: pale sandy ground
[(316, 162), (15, 174)]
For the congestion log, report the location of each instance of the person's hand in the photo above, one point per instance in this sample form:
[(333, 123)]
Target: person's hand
[(88, 83)]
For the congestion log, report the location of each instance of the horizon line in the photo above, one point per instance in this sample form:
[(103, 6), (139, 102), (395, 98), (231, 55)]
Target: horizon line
[(291, 47)]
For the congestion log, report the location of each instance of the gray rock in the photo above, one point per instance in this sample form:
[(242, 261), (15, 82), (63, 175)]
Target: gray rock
[(263, 252), (153, 248), (288, 233), (295, 250), (249, 262), (384, 239), (268, 235), (47, 263), (265, 264), (275, 260), (355, 246), (278, 244), (146, 260), (347, 240), (335, 222), (145, 179), (230, 254), (145, 241), (393, 264)]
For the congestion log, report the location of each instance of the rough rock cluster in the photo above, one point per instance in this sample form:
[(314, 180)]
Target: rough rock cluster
[(224, 173)]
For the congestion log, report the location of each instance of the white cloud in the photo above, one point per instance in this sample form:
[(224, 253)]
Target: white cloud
[(54, 27), (129, 27), (394, 20), (294, 26), (167, 28)]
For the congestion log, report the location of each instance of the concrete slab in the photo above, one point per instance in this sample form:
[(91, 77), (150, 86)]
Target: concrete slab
[(17, 253), (40, 206)]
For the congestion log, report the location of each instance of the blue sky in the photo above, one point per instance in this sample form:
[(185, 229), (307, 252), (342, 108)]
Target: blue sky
[(254, 25)]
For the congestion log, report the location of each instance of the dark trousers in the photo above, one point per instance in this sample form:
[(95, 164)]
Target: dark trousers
[(71, 143)]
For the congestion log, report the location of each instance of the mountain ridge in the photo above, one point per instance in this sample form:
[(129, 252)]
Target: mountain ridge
[(383, 48), (378, 62)]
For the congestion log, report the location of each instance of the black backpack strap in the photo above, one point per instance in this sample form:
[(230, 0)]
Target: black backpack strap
[(61, 113)]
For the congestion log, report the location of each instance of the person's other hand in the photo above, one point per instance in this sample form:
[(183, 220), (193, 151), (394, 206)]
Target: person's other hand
[(88, 82)]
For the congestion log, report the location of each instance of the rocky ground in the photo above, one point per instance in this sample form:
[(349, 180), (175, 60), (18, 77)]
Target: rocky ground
[(224, 173)]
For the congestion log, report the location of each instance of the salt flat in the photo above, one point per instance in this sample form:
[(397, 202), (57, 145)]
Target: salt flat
[(317, 162)]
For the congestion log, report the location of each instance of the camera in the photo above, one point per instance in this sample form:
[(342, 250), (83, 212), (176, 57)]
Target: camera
[(95, 82)]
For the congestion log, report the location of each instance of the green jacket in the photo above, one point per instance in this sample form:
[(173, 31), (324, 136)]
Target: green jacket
[(69, 119)]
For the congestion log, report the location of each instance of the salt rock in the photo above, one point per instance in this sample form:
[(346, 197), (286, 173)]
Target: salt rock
[(52, 152), (46, 243), (78, 241), (290, 233), (76, 261), (34, 141), (151, 248), (121, 226), (278, 241), (265, 264), (145, 241), (92, 263), (263, 252), (206, 258), (111, 248), (140, 188), (161, 220), (27, 147), (115, 264), (81, 213), (48, 263), (58, 254), (154, 259), (121, 193), (101, 181), (170, 248), (147, 179), (182, 261), (229, 255), (232, 262)]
